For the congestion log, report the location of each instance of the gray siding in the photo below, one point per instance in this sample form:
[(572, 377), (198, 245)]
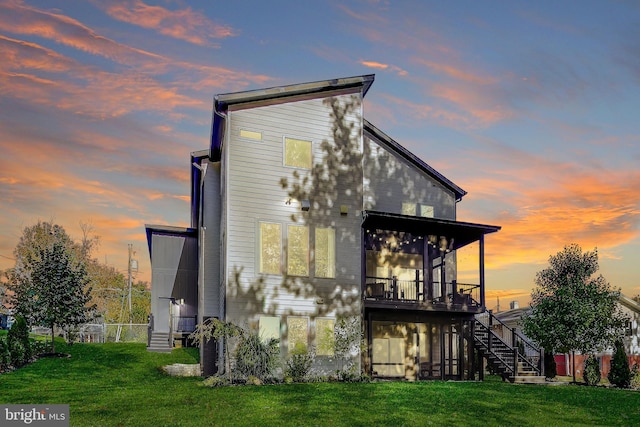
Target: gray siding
[(391, 181), (254, 193), (211, 243), (173, 275)]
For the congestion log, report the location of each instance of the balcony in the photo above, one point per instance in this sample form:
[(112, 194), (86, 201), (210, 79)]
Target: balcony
[(385, 292)]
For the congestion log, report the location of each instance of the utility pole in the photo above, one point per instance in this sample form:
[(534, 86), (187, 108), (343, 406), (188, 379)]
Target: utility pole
[(129, 281)]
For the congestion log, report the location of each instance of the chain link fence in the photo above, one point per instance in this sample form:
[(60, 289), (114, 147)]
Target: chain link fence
[(102, 332)]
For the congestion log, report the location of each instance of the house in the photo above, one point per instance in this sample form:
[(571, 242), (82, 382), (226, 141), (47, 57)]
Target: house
[(510, 322), (305, 214)]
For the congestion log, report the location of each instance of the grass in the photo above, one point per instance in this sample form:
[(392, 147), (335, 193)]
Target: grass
[(122, 385)]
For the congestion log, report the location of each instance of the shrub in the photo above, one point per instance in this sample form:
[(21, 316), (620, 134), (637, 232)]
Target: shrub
[(550, 370), (253, 380), (5, 356), (215, 381), (635, 376), (620, 374), (255, 357), (299, 363), (19, 343), (591, 371)]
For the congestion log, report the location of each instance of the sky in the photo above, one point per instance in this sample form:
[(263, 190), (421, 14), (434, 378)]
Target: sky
[(533, 108)]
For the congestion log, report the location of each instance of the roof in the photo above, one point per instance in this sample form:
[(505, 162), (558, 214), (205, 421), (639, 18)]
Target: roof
[(412, 158), (222, 102), (168, 230), (461, 233)]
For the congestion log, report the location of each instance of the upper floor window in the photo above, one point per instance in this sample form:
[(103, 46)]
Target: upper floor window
[(297, 153), (298, 250), (270, 248), (325, 253), (414, 209), (250, 134)]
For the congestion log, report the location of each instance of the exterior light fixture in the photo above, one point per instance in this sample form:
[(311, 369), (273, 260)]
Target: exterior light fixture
[(305, 205)]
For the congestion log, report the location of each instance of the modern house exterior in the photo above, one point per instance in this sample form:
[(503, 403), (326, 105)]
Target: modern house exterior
[(304, 215)]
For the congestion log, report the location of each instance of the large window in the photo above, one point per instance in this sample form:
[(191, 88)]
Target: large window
[(297, 333), (325, 338), (325, 253), (298, 250), (270, 248), (297, 153)]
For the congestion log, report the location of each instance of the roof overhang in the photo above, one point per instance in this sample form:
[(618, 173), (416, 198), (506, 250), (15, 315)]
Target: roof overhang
[(460, 233), (168, 230), (280, 94)]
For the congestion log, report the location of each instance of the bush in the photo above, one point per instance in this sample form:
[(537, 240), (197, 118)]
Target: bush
[(635, 376), (550, 369), (5, 356), (215, 381), (591, 371), (620, 374), (255, 357), (299, 363), (19, 343)]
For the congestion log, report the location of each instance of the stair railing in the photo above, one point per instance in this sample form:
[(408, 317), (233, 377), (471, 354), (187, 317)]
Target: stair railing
[(494, 340), (524, 350)]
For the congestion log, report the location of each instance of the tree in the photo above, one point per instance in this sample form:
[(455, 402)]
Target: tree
[(49, 279), (571, 308), (620, 374)]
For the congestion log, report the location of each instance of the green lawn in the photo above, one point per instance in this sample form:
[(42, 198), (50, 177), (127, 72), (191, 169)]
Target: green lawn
[(122, 385)]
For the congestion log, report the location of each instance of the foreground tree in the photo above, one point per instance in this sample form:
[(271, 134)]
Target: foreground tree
[(620, 374), (571, 308), (49, 282)]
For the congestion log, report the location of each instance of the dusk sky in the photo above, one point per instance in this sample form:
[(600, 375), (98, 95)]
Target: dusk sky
[(532, 107)]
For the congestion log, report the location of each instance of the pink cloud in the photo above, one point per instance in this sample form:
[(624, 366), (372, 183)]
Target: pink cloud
[(184, 24)]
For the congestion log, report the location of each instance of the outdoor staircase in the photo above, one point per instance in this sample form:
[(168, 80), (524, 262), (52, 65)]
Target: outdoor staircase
[(159, 342), (509, 353)]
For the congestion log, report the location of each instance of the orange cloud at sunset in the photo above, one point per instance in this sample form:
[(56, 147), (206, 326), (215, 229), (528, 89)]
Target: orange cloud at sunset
[(380, 66), (182, 24)]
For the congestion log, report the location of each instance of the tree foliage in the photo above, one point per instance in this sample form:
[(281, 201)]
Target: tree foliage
[(572, 308), (620, 374), (49, 281)]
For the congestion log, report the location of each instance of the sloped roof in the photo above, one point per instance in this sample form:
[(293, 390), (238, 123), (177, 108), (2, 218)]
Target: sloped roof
[(399, 150), (222, 102)]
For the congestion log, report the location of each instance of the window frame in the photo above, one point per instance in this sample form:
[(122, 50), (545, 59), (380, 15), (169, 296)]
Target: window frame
[(284, 152)]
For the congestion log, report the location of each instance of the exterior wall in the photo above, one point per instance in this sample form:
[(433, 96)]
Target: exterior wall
[(173, 275), (391, 181), (254, 175), (211, 243)]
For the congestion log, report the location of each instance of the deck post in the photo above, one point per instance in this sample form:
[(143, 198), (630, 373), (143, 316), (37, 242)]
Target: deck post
[(481, 256), (394, 286)]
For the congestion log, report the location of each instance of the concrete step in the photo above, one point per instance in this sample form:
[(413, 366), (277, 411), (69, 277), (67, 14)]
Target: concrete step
[(528, 379)]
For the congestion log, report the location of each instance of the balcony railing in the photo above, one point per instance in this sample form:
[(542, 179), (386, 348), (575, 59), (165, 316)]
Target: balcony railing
[(393, 289)]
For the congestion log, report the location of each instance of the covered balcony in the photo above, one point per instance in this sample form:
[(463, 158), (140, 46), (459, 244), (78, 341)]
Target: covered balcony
[(411, 263)]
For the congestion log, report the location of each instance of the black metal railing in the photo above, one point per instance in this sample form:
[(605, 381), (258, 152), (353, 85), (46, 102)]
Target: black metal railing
[(184, 323), (499, 335), (407, 290)]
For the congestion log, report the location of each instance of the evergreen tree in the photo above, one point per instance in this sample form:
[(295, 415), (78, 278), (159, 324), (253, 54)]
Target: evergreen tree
[(620, 374), (49, 282)]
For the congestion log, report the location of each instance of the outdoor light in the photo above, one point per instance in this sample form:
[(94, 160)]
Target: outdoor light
[(305, 205)]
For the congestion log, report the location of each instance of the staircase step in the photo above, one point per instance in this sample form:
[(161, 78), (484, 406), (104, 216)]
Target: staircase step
[(528, 379)]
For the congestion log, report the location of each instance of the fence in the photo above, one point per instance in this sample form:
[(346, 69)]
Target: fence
[(103, 332)]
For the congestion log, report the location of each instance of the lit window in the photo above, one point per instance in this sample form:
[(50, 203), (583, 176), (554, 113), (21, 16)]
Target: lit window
[(325, 339), (269, 327), (270, 248), (249, 134), (409, 209), (426, 211), (325, 253), (297, 153), (297, 333), (298, 250)]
